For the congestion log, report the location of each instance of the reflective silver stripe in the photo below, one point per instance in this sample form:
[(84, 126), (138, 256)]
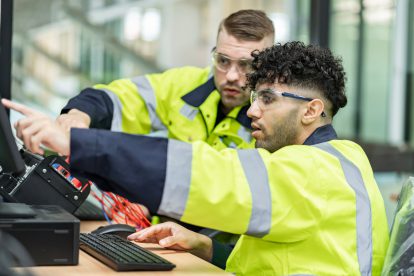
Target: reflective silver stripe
[(245, 134), (232, 145), (116, 124), (363, 208), (177, 180), (188, 111), (147, 93), (159, 133), (256, 175)]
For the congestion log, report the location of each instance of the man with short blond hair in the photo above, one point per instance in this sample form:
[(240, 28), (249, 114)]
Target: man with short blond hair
[(188, 104)]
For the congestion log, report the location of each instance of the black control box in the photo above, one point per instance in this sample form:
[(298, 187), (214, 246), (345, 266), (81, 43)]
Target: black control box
[(50, 236), (46, 181)]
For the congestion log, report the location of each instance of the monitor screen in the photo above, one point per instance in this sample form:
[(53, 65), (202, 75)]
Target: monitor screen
[(6, 20), (10, 159)]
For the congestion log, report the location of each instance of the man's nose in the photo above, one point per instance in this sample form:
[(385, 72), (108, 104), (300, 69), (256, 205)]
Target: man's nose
[(254, 110), (233, 74)]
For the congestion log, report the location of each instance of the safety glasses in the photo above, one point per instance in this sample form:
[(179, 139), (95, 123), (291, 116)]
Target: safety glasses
[(224, 63), (268, 96)]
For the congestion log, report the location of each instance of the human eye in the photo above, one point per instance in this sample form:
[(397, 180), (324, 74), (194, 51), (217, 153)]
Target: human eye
[(267, 97), (245, 65), (222, 60)]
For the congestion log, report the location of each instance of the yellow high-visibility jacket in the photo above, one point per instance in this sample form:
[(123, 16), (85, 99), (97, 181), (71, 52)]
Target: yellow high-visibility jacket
[(302, 210), (180, 103)]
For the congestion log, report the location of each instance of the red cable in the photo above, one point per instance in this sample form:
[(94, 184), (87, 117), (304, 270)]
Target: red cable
[(119, 209)]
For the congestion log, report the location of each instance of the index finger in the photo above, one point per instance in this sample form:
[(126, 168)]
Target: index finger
[(146, 233), (18, 107)]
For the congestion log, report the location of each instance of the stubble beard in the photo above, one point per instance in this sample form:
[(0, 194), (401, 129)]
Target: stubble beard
[(285, 133)]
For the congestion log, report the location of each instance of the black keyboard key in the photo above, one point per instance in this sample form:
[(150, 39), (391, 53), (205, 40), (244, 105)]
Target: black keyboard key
[(120, 254), (89, 211)]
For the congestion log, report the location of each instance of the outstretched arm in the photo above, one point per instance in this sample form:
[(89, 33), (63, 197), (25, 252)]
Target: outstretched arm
[(174, 236), (74, 118), (92, 107)]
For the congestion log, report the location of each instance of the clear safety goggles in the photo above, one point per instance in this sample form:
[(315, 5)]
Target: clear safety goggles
[(224, 63), (268, 96)]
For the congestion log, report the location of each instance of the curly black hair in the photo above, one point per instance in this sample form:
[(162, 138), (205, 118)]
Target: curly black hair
[(304, 66)]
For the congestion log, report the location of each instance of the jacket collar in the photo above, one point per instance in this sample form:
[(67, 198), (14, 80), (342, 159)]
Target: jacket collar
[(198, 96), (321, 134), (242, 117)]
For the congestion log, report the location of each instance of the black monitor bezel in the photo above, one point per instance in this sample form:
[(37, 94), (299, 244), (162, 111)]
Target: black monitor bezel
[(11, 160), (6, 29)]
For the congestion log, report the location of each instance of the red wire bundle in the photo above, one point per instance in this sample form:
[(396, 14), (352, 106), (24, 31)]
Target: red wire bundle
[(120, 210)]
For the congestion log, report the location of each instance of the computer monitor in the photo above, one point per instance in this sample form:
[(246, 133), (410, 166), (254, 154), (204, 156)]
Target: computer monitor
[(10, 159), (6, 20)]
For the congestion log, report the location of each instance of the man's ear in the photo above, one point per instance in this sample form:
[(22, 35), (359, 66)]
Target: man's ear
[(314, 110)]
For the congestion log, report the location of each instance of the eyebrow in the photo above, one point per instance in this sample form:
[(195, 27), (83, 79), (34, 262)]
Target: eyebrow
[(268, 91), (243, 58)]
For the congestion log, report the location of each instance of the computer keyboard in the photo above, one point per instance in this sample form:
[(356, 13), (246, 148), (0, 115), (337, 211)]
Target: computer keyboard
[(89, 211), (120, 254)]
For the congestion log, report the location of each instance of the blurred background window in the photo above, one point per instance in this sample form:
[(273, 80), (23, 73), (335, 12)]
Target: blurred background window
[(61, 47)]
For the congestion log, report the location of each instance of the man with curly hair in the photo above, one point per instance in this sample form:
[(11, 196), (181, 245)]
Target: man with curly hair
[(304, 202)]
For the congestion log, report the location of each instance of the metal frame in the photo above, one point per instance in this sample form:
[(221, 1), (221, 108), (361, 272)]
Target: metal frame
[(319, 22), (397, 121), (359, 71), (409, 85), (6, 29)]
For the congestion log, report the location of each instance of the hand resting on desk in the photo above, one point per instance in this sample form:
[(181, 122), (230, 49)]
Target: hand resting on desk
[(174, 236)]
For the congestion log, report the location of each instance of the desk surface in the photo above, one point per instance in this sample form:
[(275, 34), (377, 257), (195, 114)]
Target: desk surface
[(186, 263)]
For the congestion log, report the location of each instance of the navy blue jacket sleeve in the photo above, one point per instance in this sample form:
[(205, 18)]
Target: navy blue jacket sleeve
[(96, 104), (221, 253), (132, 166)]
